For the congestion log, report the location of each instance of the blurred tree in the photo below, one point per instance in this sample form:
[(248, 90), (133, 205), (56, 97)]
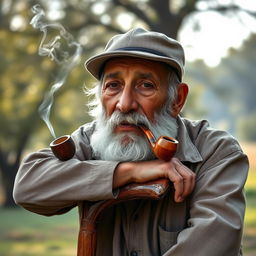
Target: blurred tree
[(25, 77), (246, 127), (227, 92), (235, 79), (166, 16)]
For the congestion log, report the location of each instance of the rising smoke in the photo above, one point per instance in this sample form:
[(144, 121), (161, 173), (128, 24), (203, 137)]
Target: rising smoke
[(59, 46)]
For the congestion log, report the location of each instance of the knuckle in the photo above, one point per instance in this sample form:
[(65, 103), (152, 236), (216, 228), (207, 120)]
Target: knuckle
[(175, 160), (178, 179), (169, 165), (193, 176)]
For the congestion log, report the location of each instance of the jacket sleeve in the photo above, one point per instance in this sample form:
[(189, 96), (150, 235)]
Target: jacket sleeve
[(47, 186), (217, 209)]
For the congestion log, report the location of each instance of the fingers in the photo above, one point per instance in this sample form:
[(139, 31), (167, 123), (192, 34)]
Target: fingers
[(183, 179), (181, 176)]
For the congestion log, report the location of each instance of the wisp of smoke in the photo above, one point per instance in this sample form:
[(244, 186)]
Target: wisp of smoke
[(62, 49)]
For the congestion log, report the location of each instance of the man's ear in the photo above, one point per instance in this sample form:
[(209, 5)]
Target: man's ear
[(180, 100)]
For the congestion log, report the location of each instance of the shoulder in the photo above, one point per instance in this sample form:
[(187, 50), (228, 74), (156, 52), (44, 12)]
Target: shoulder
[(210, 141), (81, 137), (220, 152), (84, 132)]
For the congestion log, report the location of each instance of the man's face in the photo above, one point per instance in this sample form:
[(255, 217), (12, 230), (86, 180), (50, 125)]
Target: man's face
[(134, 85)]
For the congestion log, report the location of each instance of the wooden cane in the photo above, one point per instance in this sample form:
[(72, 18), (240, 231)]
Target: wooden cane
[(87, 237)]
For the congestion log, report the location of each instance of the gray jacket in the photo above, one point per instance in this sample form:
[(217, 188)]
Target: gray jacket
[(209, 222)]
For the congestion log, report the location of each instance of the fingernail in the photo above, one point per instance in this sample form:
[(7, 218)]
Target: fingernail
[(180, 199)]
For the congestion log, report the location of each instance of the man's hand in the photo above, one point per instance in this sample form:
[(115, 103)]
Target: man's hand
[(182, 177)]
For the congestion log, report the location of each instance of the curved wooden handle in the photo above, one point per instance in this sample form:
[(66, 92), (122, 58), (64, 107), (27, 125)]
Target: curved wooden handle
[(87, 235)]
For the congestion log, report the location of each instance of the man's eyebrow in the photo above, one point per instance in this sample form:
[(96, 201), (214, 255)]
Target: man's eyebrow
[(145, 75), (112, 75)]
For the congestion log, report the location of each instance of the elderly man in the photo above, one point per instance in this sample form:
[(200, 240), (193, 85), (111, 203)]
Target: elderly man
[(140, 82)]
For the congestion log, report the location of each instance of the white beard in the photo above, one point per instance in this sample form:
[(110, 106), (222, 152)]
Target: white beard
[(109, 146)]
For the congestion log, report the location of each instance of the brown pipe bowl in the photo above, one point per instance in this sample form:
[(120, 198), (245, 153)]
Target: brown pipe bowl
[(63, 147), (165, 148)]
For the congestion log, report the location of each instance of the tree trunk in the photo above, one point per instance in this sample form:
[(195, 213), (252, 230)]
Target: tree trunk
[(8, 182)]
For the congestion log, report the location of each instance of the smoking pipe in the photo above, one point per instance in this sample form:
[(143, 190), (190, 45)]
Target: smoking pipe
[(164, 147), (63, 147)]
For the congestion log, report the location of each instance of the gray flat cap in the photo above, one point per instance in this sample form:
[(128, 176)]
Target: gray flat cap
[(143, 44)]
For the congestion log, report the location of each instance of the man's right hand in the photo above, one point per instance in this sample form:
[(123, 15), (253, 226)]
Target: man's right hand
[(181, 176)]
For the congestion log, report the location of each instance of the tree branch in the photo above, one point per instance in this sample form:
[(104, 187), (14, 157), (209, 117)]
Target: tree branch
[(232, 7), (135, 10), (3, 160), (189, 7)]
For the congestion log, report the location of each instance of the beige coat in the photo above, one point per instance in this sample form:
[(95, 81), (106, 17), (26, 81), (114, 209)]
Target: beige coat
[(209, 223)]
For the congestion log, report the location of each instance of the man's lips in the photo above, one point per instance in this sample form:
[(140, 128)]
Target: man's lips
[(127, 127)]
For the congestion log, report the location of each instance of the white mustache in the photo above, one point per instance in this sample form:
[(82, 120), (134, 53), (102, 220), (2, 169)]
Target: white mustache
[(107, 145), (132, 118)]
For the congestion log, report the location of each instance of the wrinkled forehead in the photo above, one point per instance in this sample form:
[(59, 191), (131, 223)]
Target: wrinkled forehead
[(156, 68), (118, 61)]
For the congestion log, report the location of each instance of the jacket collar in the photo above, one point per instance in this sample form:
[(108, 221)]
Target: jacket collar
[(187, 151)]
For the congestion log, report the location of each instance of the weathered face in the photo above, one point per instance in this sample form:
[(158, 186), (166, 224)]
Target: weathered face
[(134, 85)]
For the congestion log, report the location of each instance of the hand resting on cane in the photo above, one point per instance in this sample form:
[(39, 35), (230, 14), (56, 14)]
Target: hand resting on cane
[(183, 178)]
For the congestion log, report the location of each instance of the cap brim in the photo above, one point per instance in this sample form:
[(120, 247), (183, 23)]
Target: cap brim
[(95, 64)]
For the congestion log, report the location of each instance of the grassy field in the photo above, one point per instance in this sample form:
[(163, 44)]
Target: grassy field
[(26, 234), (249, 238)]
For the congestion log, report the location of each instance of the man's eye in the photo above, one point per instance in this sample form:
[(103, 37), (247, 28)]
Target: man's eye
[(148, 85), (112, 85), (146, 88), (112, 88)]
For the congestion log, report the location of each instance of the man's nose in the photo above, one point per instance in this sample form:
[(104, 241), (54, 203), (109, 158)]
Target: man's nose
[(127, 101)]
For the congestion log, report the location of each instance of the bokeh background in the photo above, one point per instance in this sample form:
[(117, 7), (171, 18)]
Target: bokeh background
[(219, 38)]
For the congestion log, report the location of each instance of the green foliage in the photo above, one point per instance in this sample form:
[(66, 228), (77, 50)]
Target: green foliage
[(25, 78), (24, 233)]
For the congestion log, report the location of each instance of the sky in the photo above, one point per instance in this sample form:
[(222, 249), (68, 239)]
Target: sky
[(216, 35)]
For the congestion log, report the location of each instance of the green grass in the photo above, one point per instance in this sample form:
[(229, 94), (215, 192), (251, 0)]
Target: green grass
[(23, 233), (250, 189), (249, 238), (251, 181)]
